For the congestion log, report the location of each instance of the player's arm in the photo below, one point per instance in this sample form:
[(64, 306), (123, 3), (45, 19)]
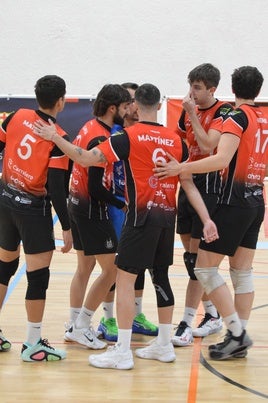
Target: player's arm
[(209, 228), (207, 141), (98, 191), (2, 146), (83, 157), (226, 149), (3, 129), (225, 152), (57, 192), (96, 188)]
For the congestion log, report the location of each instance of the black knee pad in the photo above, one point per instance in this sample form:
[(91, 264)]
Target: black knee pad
[(164, 293), (37, 284), (191, 265), (7, 270), (139, 283), (112, 288), (186, 256)]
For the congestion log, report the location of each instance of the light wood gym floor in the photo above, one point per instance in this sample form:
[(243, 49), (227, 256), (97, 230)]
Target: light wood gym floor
[(191, 378)]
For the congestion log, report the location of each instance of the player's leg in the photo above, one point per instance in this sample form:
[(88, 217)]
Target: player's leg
[(140, 323), (38, 247)]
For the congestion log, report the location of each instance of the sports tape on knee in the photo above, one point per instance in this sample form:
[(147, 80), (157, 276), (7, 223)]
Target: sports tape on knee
[(209, 278), (242, 280)]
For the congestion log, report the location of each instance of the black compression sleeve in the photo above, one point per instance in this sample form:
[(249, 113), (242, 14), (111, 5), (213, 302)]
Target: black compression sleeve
[(98, 191), (2, 146), (57, 192)]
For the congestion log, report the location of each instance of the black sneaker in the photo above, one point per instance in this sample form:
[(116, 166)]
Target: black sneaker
[(241, 354), (231, 347)]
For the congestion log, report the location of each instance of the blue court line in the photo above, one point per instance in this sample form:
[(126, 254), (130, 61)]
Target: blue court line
[(55, 219), (15, 281)]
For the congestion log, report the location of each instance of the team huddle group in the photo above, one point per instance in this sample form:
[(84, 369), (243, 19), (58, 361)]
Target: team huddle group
[(114, 189)]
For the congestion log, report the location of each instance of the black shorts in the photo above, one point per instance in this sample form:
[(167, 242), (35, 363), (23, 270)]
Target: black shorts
[(236, 227), (35, 231), (94, 237), (145, 247), (188, 221)]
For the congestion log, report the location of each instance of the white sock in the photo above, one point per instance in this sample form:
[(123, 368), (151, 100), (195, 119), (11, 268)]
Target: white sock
[(244, 323), (164, 330), (33, 332), (233, 323), (188, 316), (210, 308), (84, 319), (138, 305), (108, 310), (124, 339), (74, 312)]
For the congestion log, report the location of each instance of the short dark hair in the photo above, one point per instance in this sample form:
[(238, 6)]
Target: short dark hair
[(147, 95), (247, 82), (206, 72), (48, 90), (130, 85), (110, 94)]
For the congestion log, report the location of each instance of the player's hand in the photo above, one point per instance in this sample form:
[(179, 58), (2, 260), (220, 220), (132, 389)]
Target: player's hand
[(44, 130), (188, 103), (166, 169), (210, 231), (125, 208), (67, 241)]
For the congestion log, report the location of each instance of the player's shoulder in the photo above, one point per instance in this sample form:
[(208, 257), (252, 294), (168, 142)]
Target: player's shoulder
[(223, 108)]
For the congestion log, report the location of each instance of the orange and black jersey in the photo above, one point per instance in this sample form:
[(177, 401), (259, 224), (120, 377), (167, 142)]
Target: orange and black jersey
[(28, 163), (90, 187), (243, 180), (141, 146), (210, 118)]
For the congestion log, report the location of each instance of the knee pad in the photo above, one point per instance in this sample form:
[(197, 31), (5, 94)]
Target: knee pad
[(164, 293), (37, 284), (112, 288), (186, 258), (190, 264), (7, 270), (139, 283), (242, 281), (209, 278)]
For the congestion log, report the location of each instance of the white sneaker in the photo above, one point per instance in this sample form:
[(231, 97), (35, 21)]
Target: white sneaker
[(183, 336), (112, 358), (86, 337), (209, 325), (67, 326), (156, 352)]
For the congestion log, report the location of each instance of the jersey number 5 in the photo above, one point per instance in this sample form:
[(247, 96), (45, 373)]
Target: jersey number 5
[(25, 149)]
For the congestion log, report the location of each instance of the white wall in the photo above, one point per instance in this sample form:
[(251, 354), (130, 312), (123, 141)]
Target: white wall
[(90, 43)]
